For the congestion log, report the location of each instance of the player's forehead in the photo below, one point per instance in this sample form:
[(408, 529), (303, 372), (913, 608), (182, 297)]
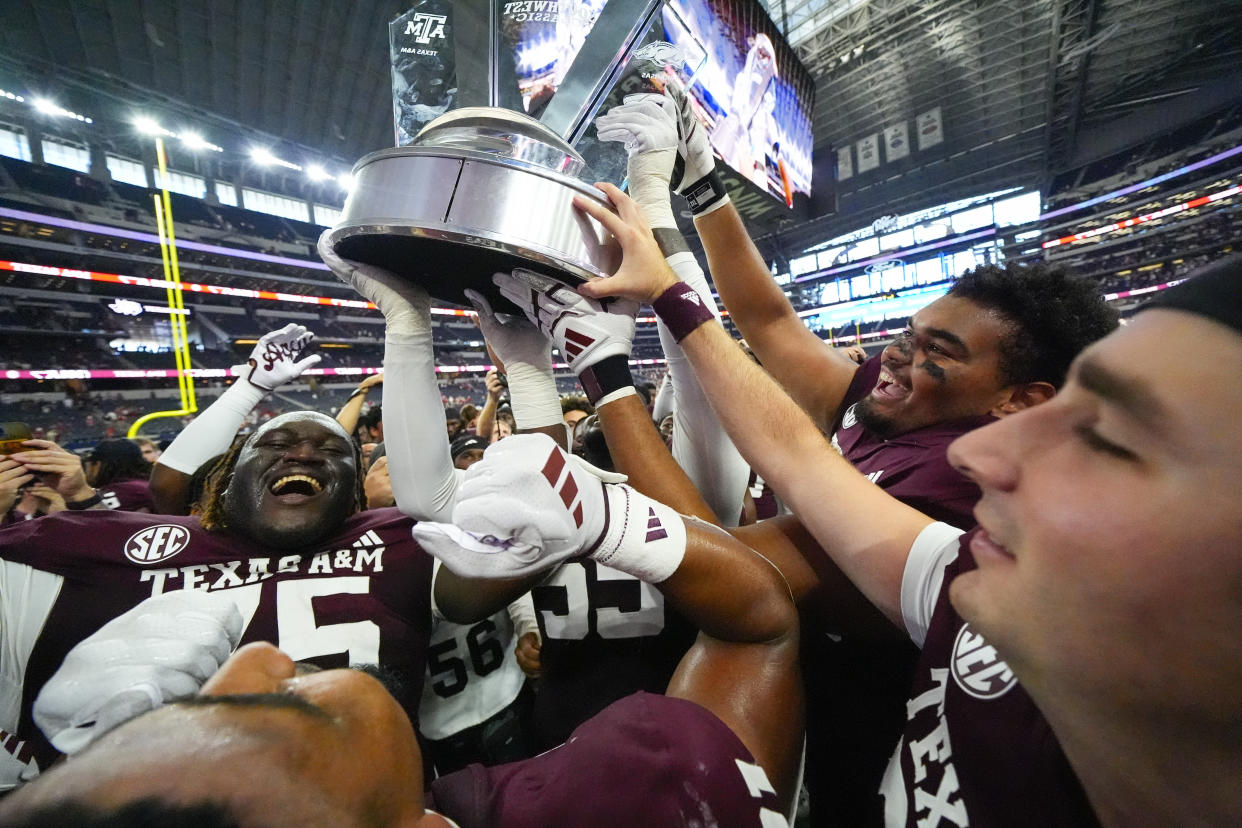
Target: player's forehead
[(303, 423), (956, 318), (1176, 372)]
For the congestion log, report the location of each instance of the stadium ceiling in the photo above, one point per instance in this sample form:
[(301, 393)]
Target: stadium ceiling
[(1026, 87)]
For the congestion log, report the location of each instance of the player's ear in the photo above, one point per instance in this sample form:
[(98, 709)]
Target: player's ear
[(1024, 396)]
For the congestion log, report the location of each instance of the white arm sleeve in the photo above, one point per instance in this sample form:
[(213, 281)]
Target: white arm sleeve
[(522, 614), (212, 431), (700, 445), (424, 482), (663, 405), (533, 396), (934, 549)]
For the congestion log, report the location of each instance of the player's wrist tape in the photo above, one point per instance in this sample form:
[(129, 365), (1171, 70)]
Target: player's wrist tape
[(706, 194), (79, 505), (606, 377), (642, 537), (682, 310), (533, 395)]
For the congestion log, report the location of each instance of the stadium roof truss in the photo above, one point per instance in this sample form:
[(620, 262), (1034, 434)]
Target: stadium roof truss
[(1026, 87)]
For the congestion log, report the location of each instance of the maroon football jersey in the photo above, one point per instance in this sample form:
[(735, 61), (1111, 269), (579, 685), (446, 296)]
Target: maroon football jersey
[(976, 751), (361, 596), (766, 503), (605, 635), (128, 496), (851, 725), (912, 467), (644, 760)]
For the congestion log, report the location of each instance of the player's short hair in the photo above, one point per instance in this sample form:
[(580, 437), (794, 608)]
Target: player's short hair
[(1054, 316), (119, 459), (149, 812), (576, 402)]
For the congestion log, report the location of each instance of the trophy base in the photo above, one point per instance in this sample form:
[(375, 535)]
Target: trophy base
[(445, 267)]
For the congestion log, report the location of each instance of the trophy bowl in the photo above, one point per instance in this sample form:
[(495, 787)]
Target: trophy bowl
[(479, 191)]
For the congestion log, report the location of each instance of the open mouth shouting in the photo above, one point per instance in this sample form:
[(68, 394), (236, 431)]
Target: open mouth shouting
[(889, 388), (294, 489)]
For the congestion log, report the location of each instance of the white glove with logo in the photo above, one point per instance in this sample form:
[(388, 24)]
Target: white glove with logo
[(405, 305), (276, 360), (163, 649), (527, 506), (582, 329), (527, 358), (694, 151), (647, 125), (595, 340)]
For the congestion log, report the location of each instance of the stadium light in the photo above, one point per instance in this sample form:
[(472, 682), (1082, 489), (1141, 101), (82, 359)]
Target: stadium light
[(316, 173), (263, 156), (50, 107), (12, 96), (148, 126), (194, 141)]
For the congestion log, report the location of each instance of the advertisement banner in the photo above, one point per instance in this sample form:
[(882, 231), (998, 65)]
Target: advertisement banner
[(930, 129), (845, 163), (424, 76), (896, 142), (869, 153)]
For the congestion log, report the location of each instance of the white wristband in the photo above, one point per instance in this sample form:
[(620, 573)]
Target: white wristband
[(611, 396), (642, 537)]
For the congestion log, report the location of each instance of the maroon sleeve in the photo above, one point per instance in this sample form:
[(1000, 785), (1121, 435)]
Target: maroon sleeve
[(128, 496), (865, 378), (644, 760)]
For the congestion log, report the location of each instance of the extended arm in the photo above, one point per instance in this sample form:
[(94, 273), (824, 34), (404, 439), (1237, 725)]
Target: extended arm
[(348, 415), (867, 533), (275, 360), (796, 357), (516, 515), (799, 360), (423, 478)]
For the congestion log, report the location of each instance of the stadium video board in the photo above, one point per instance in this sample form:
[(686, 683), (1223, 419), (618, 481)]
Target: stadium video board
[(748, 88)]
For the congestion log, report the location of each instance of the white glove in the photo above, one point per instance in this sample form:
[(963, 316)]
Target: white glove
[(527, 506), (694, 151), (527, 356), (163, 649), (646, 122), (647, 125), (582, 329), (513, 338), (275, 358), (405, 305)]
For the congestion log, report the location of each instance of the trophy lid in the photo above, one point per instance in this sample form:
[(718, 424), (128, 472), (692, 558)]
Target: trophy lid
[(503, 134)]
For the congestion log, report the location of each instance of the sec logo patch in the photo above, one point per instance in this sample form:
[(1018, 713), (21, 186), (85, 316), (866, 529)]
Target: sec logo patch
[(156, 543), (849, 419), (977, 668)]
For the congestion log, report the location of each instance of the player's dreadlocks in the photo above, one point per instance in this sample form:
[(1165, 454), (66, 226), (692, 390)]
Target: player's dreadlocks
[(213, 515)]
